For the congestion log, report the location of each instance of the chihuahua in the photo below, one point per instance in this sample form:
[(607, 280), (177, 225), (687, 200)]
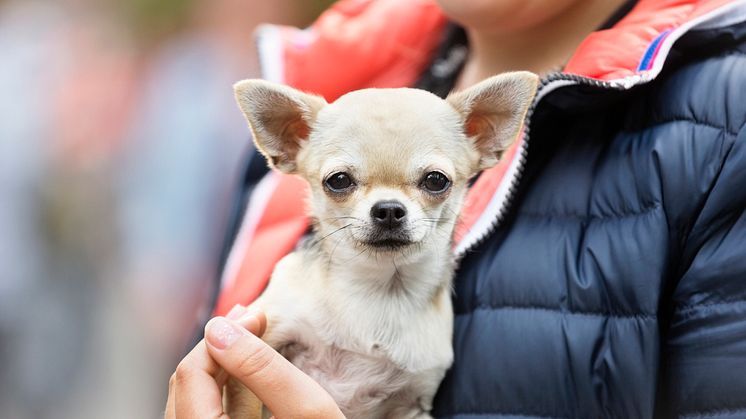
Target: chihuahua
[(363, 306)]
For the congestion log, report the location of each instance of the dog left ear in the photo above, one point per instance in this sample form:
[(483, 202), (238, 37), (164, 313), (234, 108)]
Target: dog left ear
[(280, 118), (493, 111)]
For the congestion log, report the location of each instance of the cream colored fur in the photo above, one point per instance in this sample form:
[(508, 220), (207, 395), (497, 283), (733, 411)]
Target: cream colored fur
[(373, 325)]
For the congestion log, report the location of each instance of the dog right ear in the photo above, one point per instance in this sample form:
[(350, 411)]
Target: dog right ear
[(280, 119), (493, 111)]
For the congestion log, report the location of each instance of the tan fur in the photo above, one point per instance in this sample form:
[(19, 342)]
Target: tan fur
[(240, 402), (373, 324)]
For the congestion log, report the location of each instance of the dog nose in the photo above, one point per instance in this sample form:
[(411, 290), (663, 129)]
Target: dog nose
[(390, 214)]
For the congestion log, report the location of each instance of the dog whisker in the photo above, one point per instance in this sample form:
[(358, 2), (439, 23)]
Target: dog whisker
[(343, 218), (318, 241)]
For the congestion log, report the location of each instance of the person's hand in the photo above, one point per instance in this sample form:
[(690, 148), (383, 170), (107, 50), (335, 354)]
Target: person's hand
[(231, 348)]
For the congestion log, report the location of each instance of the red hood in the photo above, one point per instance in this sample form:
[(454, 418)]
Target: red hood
[(387, 43), (353, 45)]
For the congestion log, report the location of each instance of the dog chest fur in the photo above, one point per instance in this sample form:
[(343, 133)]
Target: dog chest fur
[(376, 358)]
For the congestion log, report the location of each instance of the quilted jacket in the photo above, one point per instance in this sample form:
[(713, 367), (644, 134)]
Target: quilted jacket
[(603, 267)]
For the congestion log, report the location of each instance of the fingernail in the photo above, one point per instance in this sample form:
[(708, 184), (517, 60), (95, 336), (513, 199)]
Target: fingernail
[(236, 312), (251, 322), (221, 333), (249, 313)]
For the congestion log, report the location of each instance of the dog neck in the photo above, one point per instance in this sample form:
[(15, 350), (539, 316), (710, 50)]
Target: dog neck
[(411, 277), (372, 302)]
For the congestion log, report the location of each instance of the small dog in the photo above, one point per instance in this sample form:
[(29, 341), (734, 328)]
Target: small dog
[(364, 306)]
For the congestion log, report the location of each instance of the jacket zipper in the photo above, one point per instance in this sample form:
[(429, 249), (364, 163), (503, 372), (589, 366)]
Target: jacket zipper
[(547, 84)]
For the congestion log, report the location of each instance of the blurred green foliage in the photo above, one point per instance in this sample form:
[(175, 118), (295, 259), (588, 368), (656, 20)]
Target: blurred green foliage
[(153, 19), (318, 6)]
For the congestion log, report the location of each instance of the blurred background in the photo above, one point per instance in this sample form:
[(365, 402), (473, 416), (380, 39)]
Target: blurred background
[(120, 145)]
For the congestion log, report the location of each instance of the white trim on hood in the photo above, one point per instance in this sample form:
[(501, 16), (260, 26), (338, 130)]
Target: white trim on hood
[(256, 206), (270, 50)]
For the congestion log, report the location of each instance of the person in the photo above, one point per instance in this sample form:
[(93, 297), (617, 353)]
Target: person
[(601, 264)]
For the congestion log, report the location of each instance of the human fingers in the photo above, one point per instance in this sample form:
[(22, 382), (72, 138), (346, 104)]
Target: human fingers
[(195, 388), (283, 388), (170, 412), (254, 320)]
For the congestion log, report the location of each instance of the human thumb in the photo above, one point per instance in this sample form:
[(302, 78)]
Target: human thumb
[(282, 387)]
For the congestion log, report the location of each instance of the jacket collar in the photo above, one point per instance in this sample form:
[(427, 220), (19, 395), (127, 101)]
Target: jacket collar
[(638, 44)]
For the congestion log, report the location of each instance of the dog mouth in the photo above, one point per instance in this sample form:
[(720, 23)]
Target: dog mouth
[(387, 240), (389, 243)]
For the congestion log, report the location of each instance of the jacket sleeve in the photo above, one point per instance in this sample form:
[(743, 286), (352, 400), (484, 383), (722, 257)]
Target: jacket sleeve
[(703, 350)]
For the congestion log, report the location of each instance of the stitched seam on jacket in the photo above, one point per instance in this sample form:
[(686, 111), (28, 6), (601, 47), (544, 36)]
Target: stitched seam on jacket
[(582, 217), (712, 413), (695, 217), (487, 307), (706, 197), (687, 119), (687, 309), (520, 415)]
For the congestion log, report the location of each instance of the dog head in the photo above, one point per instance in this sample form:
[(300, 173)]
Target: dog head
[(388, 168)]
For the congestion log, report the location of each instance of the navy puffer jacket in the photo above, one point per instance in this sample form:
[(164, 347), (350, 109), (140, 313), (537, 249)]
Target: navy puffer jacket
[(611, 282), (614, 285)]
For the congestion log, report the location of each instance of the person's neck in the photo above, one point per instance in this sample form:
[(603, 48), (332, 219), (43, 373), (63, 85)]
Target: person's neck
[(540, 49)]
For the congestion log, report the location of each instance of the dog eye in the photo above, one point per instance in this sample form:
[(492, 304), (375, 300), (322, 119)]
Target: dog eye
[(338, 182), (435, 182)]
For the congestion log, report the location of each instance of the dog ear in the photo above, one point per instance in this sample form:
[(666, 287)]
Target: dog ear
[(280, 119), (493, 112)]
